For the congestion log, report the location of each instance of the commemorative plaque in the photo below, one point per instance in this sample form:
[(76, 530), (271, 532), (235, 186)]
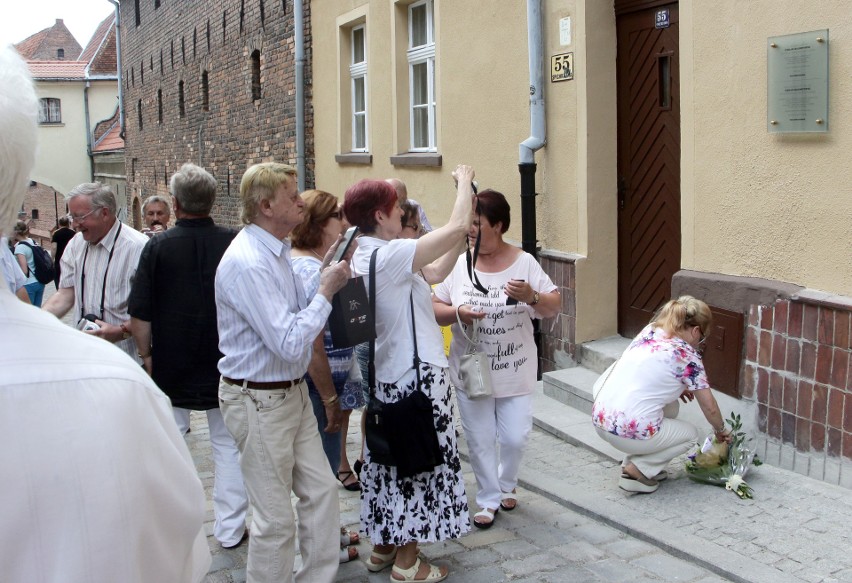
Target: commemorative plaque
[(797, 83)]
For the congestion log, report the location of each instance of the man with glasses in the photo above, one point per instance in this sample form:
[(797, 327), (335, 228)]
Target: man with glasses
[(98, 266)]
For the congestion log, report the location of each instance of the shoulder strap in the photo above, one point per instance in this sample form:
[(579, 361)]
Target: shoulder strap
[(414, 334), (475, 339), (371, 365)]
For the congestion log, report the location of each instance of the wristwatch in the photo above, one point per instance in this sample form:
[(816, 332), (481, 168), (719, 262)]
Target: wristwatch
[(535, 299)]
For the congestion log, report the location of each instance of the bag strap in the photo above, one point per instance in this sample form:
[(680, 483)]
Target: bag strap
[(475, 339), (371, 366), (471, 261), (414, 334), (603, 384)]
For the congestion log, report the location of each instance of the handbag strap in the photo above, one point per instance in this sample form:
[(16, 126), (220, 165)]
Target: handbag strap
[(414, 334), (371, 365), (609, 374), (475, 339)]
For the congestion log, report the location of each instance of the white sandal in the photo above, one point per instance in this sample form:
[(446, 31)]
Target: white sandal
[(434, 575), (484, 513), (385, 558), (346, 537), (508, 496), (345, 555)]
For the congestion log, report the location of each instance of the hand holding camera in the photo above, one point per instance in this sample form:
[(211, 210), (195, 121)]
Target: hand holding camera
[(88, 323)]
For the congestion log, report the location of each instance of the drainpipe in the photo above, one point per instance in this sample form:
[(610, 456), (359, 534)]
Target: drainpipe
[(118, 65), (88, 129), (300, 91), (536, 141)]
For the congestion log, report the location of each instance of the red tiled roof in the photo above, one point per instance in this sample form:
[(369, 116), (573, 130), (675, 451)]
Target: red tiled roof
[(97, 38), (110, 140), (57, 69), (27, 47), (44, 45)]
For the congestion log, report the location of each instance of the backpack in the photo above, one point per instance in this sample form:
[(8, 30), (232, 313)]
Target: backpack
[(44, 270)]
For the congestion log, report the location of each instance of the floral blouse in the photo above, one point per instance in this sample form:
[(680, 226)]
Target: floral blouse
[(653, 372)]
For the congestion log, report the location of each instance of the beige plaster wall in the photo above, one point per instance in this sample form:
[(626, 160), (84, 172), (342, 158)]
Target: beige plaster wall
[(759, 204), (61, 161)]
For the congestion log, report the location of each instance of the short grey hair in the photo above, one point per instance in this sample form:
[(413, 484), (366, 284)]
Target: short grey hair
[(18, 137), (160, 199), (194, 188), (100, 195)]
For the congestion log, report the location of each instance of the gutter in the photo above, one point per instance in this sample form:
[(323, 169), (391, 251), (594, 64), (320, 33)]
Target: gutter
[(88, 129), (118, 65), (298, 18)]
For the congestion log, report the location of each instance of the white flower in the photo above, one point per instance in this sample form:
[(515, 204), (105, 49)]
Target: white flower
[(734, 482)]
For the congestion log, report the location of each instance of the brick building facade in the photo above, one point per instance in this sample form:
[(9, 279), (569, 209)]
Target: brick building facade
[(211, 83)]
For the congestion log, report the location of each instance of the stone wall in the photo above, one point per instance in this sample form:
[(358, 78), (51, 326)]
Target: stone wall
[(557, 333), (231, 128)]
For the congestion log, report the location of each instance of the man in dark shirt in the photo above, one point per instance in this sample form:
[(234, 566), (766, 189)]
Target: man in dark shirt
[(60, 237), (173, 318)]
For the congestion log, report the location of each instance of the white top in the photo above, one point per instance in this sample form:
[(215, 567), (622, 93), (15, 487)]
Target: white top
[(394, 282), (28, 256), (122, 268), (98, 485), (266, 325), (427, 226), (653, 372), (10, 268), (506, 333)]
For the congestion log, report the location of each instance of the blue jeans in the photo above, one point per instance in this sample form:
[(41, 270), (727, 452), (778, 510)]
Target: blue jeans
[(35, 290), (330, 441)]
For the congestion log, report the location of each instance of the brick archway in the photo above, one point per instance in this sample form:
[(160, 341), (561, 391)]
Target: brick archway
[(136, 215)]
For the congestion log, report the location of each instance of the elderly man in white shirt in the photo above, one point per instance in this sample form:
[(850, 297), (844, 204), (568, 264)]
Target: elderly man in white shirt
[(98, 485), (98, 266), (266, 331)]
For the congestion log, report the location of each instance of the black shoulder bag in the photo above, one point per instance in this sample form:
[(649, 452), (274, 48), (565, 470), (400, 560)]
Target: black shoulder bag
[(400, 434)]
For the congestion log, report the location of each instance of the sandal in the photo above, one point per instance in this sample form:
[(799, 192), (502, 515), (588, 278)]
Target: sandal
[(661, 477), (385, 561), (348, 537), (348, 554), (641, 485), (484, 513), (351, 486), (508, 497), (434, 574)]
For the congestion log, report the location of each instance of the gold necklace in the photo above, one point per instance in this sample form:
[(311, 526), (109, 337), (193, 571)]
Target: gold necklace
[(317, 254)]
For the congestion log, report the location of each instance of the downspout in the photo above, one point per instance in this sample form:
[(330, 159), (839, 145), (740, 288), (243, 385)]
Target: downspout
[(88, 128), (298, 18), (528, 147), (536, 141), (118, 65)]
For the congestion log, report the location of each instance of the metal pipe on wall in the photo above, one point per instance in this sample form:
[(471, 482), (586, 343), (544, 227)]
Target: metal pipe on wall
[(298, 18), (118, 64)]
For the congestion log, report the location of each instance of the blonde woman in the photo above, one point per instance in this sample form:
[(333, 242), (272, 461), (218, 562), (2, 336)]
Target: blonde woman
[(636, 408)]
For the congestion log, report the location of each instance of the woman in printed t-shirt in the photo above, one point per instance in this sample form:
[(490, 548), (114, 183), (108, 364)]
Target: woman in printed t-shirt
[(518, 290), (635, 409)]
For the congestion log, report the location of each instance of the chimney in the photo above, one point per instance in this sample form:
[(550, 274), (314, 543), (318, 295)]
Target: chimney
[(59, 21)]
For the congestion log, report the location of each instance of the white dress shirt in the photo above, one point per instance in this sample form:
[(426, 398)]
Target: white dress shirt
[(266, 325), (98, 485), (119, 276), (11, 269)]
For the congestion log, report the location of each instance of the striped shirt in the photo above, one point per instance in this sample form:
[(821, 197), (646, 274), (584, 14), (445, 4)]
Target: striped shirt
[(266, 325), (117, 273)]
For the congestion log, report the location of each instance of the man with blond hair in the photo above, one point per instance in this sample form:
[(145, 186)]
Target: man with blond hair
[(173, 318), (98, 485), (266, 333)]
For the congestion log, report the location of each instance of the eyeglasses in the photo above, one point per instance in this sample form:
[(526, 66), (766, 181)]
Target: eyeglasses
[(74, 219)]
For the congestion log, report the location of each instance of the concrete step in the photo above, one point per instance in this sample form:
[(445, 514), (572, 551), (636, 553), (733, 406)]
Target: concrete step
[(597, 355), (571, 386), (569, 424)]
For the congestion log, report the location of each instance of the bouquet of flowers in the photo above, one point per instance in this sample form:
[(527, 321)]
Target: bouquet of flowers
[(720, 464)]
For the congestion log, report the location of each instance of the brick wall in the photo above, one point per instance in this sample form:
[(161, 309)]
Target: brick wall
[(557, 333), (797, 370), (41, 198), (170, 46)]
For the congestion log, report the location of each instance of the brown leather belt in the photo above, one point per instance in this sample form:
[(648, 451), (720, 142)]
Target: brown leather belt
[(263, 386)]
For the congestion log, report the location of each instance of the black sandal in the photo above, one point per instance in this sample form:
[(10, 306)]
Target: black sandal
[(353, 486)]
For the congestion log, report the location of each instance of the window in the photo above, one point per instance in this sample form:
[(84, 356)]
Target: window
[(181, 106), (60, 53), (421, 75), (49, 110), (255, 75), (139, 113), (159, 106), (138, 14), (358, 73), (156, 4), (205, 91)]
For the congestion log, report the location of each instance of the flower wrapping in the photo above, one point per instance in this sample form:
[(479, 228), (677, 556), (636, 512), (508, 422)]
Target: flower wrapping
[(720, 464)]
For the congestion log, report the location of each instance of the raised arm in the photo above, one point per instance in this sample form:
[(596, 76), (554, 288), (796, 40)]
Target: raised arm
[(434, 245)]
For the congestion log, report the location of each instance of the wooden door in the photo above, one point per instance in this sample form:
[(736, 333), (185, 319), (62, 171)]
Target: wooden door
[(648, 162)]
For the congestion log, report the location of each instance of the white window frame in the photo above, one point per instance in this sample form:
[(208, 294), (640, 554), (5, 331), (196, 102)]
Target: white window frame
[(50, 111), (417, 55), (358, 71)]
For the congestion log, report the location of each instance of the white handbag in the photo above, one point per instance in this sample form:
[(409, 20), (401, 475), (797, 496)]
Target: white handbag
[(474, 366)]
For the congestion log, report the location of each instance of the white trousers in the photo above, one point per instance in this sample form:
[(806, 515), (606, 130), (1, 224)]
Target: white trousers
[(488, 423), (230, 501), (281, 452), (651, 456)]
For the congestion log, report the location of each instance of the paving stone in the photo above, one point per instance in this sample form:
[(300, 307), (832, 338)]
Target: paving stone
[(580, 552), (614, 570), (571, 574), (629, 548), (541, 562), (480, 538), (669, 568), (544, 535), (595, 533), (477, 558), (514, 549)]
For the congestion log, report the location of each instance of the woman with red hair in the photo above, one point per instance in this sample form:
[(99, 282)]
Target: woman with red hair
[(400, 512)]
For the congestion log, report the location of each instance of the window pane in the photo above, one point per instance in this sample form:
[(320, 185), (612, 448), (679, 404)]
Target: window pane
[(418, 26), (55, 112), (43, 113), (360, 141), (358, 45), (358, 94), (419, 84), (421, 127)]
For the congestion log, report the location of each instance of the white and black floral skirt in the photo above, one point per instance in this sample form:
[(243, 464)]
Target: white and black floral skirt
[(427, 507)]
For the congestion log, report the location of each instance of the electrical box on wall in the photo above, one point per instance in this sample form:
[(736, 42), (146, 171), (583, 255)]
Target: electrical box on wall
[(723, 353)]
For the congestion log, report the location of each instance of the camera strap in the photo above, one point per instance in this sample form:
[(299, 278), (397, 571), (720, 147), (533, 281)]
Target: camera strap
[(471, 260), (106, 273)]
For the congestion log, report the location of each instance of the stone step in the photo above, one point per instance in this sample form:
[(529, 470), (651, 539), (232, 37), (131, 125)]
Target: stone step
[(571, 386), (597, 355), (569, 424)]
